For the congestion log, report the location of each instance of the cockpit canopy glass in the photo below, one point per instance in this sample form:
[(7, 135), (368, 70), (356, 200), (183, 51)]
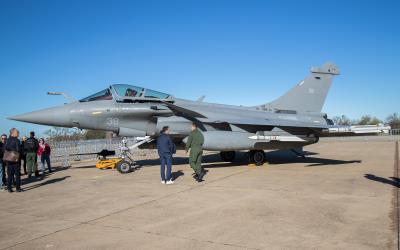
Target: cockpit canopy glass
[(102, 95), (129, 91), (122, 92)]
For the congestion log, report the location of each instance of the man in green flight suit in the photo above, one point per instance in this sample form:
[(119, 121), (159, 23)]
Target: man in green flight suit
[(195, 143)]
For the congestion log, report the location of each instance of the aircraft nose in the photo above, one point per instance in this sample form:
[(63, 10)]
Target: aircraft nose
[(57, 116)]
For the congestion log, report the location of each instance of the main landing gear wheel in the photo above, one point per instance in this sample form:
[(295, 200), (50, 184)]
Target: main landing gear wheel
[(228, 156), (124, 167), (257, 157)]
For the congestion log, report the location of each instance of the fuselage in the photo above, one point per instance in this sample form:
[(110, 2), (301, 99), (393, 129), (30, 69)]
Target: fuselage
[(146, 118)]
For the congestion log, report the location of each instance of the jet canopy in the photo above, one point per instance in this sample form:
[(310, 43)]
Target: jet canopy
[(128, 93)]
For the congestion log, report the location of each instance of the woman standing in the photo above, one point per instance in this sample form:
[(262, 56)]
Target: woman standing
[(44, 154), (11, 155)]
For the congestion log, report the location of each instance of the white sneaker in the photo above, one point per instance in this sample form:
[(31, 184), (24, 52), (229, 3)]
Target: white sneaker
[(170, 182), (162, 182)]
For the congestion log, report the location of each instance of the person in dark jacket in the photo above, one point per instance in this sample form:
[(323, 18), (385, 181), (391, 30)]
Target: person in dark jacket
[(3, 180), (13, 168), (166, 148), (31, 146)]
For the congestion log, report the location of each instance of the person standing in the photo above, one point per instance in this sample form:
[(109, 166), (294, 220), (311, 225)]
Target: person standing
[(31, 147), (166, 148), (195, 144), (23, 154), (3, 180), (44, 154), (13, 165)]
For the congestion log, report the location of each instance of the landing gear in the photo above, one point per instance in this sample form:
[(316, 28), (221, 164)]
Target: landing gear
[(124, 167), (257, 157), (228, 156), (127, 164)]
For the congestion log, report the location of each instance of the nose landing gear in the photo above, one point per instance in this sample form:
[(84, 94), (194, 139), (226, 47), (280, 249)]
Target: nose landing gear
[(127, 164)]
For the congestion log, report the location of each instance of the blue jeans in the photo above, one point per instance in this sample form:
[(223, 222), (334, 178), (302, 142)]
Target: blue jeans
[(45, 159), (166, 159)]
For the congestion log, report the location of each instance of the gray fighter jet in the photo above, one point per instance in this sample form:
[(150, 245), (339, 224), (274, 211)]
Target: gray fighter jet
[(292, 121)]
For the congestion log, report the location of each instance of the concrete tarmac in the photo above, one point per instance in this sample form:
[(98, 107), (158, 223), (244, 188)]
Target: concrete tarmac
[(344, 195)]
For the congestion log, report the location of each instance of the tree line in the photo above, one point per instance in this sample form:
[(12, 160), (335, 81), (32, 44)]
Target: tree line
[(71, 134), (392, 120)]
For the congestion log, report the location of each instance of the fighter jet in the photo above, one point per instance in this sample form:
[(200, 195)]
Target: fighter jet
[(292, 121)]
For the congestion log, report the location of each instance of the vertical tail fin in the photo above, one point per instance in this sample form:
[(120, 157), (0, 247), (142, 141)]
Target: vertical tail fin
[(310, 94)]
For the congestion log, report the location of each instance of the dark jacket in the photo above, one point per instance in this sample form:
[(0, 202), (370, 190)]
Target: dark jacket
[(165, 145), (31, 145), (22, 150), (13, 144), (1, 150)]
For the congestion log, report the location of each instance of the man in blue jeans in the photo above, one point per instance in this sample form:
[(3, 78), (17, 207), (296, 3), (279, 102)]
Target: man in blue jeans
[(166, 148)]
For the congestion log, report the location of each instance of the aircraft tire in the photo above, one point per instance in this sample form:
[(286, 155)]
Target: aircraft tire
[(257, 157), (228, 156), (124, 167)]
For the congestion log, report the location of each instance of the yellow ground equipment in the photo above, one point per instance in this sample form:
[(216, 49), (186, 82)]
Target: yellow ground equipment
[(108, 163), (123, 164)]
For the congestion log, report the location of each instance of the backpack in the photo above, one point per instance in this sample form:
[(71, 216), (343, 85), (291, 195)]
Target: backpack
[(30, 145)]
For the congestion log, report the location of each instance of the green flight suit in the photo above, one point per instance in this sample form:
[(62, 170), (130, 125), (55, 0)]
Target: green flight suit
[(31, 162), (195, 143)]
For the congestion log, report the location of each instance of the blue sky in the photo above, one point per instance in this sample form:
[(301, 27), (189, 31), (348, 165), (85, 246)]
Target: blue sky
[(235, 52)]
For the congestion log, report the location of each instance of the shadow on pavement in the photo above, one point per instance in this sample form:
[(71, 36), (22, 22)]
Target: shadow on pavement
[(51, 181), (287, 157), (25, 180), (177, 174), (87, 166), (390, 181)]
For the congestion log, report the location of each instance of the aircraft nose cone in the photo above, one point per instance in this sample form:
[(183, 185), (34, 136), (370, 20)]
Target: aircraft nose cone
[(58, 116)]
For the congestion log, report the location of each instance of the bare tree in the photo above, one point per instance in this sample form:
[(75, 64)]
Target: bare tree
[(393, 120)]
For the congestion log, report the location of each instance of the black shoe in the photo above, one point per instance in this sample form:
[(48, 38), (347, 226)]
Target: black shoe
[(200, 178), (19, 190), (10, 190)]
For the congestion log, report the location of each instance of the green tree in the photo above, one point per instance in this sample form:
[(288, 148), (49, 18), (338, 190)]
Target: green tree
[(368, 120)]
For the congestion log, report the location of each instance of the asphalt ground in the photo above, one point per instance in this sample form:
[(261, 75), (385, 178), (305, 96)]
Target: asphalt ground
[(344, 195)]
